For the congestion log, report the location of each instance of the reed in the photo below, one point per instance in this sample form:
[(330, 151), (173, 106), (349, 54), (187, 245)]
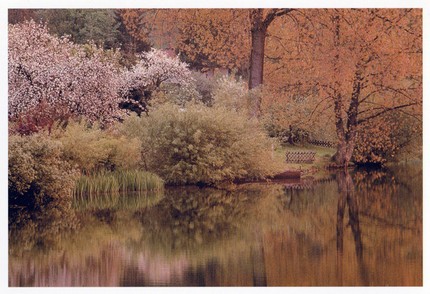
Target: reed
[(114, 183)]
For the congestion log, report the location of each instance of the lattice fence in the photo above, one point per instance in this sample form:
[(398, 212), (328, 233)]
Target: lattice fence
[(300, 156), (327, 144)]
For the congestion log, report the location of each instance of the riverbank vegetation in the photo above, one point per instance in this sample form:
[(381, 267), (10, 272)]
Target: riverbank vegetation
[(134, 108)]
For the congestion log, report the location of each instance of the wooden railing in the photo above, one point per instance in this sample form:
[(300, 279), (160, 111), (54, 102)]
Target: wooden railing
[(322, 143), (300, 156)]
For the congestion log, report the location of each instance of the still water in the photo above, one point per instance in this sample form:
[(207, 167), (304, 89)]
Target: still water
[(361, 228)]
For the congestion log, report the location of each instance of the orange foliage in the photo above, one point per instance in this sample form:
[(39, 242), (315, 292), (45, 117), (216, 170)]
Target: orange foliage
[(363, 63), (350, 65), (208, 38)]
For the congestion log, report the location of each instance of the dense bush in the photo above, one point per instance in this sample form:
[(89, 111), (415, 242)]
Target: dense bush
[(37, 172), (204, 85), (295, 118), (93, 149), (198, 144), (396, 134)]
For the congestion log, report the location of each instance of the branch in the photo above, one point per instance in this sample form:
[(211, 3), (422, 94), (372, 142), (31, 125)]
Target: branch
[(368, 95), (318, 104), (385, 111), (276, 12)]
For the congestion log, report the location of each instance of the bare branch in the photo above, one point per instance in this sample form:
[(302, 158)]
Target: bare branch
[(385, 111), (276, 12)]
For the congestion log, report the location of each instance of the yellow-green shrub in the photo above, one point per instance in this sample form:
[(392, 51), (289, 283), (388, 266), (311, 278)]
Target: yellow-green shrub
[(37, 172), (93, 149), (198, 144)]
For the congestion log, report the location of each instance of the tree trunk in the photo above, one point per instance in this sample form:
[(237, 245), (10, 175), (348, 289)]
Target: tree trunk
[(256, 64), (347, 138), (259, 26), (257, 58)]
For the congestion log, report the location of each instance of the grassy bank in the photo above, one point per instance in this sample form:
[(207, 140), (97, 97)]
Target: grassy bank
[(315, 169)]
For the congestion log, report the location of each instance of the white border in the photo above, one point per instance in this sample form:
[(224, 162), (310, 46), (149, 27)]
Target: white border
[(4, 5)]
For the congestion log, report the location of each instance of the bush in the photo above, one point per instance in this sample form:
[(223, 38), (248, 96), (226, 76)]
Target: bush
[(37, 172), (204, 85), (385, 138), (296, 118), (198, 144), (93, 149)]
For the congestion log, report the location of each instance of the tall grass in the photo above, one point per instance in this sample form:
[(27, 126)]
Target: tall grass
[(111, 184)]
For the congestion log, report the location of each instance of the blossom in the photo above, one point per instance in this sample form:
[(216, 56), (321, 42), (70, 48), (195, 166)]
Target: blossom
[(70, 79)]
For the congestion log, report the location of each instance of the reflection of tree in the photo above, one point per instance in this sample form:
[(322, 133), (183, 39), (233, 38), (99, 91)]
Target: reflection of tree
[(348, 196)]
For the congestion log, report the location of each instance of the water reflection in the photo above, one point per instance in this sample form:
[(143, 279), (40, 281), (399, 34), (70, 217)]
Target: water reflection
[(357, 228), (189, 217), (347, 196), (41, 227)]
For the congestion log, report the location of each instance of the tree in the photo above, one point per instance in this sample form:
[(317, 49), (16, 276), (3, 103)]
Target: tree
[(52, 78), (153, 69), (260, 22), (83, 25), (211, 38), (363, 63), (129, 44), (20, 15)]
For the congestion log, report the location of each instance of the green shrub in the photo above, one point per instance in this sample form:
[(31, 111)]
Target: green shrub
[(198, 144), (93, 149), (37, 172)]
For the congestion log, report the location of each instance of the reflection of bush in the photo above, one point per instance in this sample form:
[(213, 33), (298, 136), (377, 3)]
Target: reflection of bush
[(40, 228), (189, 216)]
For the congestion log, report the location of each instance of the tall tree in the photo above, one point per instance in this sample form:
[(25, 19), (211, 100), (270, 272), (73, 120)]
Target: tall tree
[(212, 38), (20, 15), (363, 63), (260, 21)]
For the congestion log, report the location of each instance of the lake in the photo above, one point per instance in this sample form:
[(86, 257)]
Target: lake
[(360, 228)]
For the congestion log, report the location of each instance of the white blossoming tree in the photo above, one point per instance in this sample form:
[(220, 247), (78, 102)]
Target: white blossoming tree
[(152, 70), (51, 78)]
